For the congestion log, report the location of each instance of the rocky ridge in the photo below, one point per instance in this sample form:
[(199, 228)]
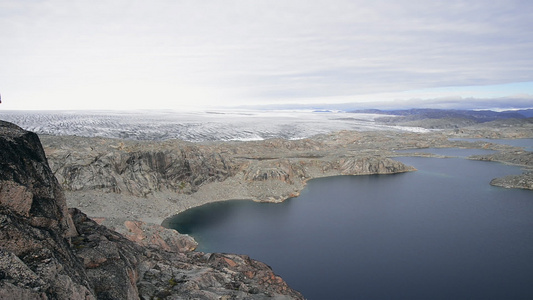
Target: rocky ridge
[(163, 178), (49, 252)]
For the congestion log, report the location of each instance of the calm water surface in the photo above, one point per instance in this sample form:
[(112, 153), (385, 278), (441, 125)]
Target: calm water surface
[(439, 233), (452, 152)]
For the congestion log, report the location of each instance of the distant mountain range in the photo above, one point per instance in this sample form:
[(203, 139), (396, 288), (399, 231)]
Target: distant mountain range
[(526, 112), (479, 116)]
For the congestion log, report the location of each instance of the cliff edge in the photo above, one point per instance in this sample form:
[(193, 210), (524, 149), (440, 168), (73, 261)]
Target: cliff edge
[(121, 180), (50, 252)]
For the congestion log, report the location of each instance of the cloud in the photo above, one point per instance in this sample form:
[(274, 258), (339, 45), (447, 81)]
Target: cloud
[(177, 53)]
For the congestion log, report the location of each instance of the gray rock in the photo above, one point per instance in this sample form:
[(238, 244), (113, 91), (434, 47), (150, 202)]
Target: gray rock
[(522, 181)]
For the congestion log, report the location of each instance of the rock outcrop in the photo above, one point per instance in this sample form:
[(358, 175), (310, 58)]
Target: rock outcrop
[(49, 252), (113, 166), (144, 168), (37, 262), (156, 236), (121, 269), (522, 181)]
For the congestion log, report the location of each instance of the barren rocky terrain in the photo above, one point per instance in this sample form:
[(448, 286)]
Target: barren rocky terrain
[(118, 180), (132, 186), (50, 252)]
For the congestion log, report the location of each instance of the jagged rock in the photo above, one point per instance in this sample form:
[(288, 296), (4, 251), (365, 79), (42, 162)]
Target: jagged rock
[(99, 164), (36, 260), (283, 170), (150, 272), (372, 165), (270, 170), (25, 175), (151, 235)]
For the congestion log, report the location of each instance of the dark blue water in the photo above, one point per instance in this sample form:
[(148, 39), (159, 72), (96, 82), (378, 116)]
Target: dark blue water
[(452, 152), (439, 233)]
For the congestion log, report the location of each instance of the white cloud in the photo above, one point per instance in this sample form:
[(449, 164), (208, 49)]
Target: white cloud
[(100, 54)]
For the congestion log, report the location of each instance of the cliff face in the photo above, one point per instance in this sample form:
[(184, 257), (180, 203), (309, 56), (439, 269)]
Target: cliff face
[(37, 261), (145, 168), (110, 166), (26, 176), (47, 252), (121, 180)]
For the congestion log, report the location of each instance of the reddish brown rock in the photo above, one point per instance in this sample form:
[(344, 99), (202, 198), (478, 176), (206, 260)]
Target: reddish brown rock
[(16, 196), (155, 236)]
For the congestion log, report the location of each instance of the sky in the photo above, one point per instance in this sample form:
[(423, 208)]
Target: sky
[(188, 54)]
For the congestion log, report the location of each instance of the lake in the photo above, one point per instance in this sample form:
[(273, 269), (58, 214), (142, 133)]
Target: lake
[(438, 233), (450, 152)]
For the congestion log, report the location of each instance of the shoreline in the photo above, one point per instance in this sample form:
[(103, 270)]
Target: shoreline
[(263, 171), (106, 207)]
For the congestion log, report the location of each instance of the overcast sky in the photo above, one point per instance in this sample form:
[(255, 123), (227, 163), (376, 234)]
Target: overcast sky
[(126, 54)]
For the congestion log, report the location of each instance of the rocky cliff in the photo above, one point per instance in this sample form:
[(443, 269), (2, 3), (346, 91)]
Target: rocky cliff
[(121, 180), (133, 168), (49, 252), (143, 168)]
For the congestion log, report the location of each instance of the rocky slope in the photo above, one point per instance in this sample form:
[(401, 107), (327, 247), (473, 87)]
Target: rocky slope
[(142, 168), (47, 252), (123, 180)]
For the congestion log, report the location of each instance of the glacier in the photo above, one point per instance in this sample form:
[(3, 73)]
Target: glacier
[(197, 126)]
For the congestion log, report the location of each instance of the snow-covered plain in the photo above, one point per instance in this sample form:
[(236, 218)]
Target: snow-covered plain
[(219, 125)]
